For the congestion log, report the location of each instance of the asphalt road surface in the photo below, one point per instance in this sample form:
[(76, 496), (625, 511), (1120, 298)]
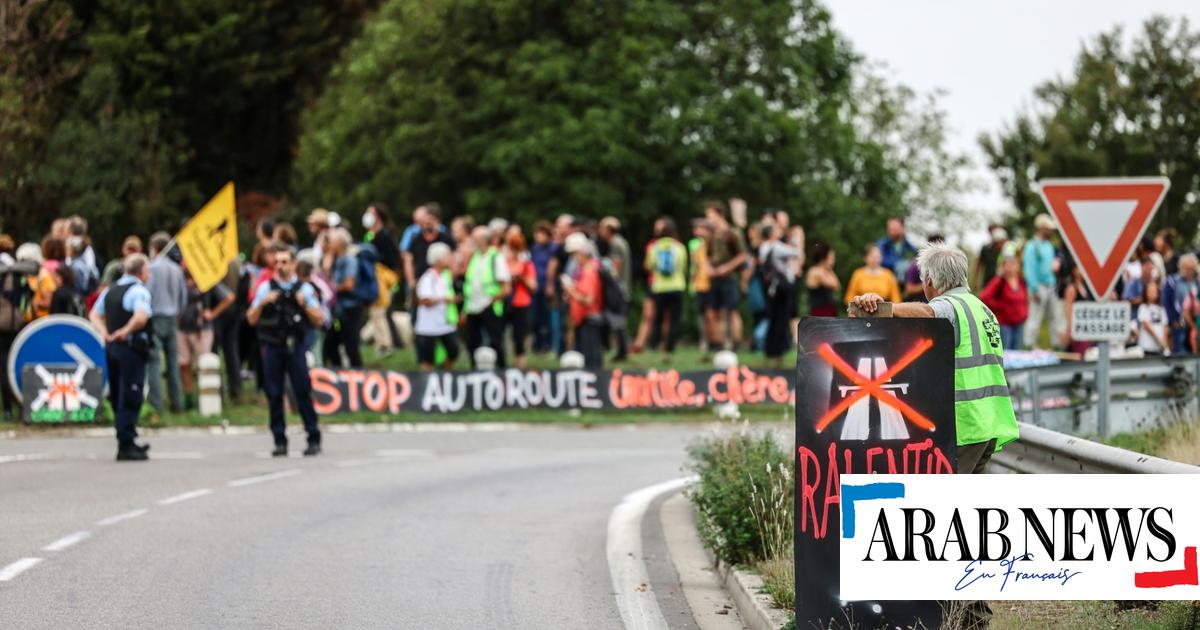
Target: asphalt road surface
[(472, 529)]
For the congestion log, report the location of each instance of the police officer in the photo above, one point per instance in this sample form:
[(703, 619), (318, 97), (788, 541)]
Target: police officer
[(283, 310), (983, 411), (122, 314)]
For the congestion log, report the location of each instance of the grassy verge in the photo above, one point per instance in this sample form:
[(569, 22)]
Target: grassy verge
[(1090, 615), (1178, 442), (744, 505), (685, 358)]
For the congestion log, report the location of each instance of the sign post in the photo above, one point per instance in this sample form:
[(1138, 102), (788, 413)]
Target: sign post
[(872, 395), (1104, 322), (1101, 220)]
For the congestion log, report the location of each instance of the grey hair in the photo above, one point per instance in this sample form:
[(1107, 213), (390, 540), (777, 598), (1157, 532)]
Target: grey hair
[(340, 234), (942, 265), (1189, 257), (135, 264), (29, 252), (437, 253)]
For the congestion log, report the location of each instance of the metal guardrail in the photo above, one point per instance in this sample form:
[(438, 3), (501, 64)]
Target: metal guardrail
[(1144, 393), (1061, 403), (1043, 451)]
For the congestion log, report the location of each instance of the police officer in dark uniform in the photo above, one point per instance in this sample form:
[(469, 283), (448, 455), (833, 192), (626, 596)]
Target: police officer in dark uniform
[(121, 314), (283, 310)]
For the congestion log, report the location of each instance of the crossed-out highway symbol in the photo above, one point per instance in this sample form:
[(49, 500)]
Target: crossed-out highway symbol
[(892, 410)]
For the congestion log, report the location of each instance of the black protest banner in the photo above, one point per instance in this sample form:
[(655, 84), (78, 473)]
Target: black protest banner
[(872, 395), (380, 391), (62, 393)]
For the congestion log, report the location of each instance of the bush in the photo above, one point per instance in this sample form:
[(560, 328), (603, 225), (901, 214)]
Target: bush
[(738, 474)]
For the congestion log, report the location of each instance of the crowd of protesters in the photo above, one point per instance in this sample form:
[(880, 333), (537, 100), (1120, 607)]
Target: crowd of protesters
[(461, 291)]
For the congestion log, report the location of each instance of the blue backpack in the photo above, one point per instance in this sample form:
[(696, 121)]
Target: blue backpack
[(665, 261), (366, 284)]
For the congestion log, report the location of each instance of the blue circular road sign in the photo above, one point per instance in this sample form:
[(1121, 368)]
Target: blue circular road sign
[(57, 339)]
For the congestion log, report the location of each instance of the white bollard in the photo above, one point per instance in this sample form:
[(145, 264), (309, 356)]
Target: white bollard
[(723, 361), (571, 360), (485, 358), (208, 380)]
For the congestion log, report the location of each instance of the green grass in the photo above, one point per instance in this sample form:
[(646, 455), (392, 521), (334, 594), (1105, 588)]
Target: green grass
[(1082, 615)]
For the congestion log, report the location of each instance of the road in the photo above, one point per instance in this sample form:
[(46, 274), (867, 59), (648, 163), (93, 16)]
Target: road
[(479, 529)]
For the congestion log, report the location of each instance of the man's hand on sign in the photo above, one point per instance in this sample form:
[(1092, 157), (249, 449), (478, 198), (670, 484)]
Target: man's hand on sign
[(868, 302)]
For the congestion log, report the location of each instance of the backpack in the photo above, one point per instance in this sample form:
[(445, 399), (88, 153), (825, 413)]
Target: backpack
[(664, 261), (366, 283), (15, 295), (613, 299)]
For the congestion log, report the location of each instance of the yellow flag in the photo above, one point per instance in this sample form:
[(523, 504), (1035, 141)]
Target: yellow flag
[(209, 241)]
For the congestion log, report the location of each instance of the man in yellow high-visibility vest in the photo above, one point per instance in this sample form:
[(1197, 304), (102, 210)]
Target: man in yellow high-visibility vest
[(983, 411)]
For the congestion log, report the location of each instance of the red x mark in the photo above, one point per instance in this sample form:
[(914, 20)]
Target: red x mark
[(875, 387)]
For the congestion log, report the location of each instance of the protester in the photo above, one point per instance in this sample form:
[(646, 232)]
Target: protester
[(1152, 328), (726, 254), (618, 255), (989, 255), (666, 265), (821, 281), (1040, 266), (699, 283), (66, 299), (896, 250), (524, 284), (85, 277), (168, 295), (1074, 290), (778, 261), (486, 286), (583, 292), (196, 329), (116, 267), (14, 302), (318, 225), (342, 266), (122, 317), (544, 319), (437, 311), (872, 277), (1006, 296), (264, 233), (282, 311), (1177, 290), (226, 330), (53, 255), (383, 333), (1164, 245)]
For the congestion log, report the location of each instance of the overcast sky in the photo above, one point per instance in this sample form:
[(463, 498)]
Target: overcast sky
[(987, 56)]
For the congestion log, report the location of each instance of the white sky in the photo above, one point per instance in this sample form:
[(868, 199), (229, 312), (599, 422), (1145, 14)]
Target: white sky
[(987, 55)]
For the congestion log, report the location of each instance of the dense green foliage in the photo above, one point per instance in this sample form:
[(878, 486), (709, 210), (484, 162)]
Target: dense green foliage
[(525, 109), (133, 113), (733, 468), (1127, 110)]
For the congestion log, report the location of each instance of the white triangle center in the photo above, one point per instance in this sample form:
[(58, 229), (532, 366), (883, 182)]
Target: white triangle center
[(1102, 223)]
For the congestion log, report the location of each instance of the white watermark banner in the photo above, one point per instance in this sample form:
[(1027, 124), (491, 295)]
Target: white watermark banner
[(1019, 537)]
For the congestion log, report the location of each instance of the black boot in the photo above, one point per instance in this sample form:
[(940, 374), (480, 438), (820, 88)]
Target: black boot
[(314, 448), (280, 450), (130, 452)]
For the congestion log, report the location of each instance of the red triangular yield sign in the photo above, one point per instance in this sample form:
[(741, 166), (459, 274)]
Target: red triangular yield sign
[(1102, 219)]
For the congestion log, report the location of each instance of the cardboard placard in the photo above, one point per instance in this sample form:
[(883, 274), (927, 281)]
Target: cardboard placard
[(872, 395), (62, 393)]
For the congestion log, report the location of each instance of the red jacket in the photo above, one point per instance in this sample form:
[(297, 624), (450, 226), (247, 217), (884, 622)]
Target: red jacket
[(1010, 306)]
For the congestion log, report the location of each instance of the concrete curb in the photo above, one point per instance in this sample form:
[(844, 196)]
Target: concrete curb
[(756, 608)]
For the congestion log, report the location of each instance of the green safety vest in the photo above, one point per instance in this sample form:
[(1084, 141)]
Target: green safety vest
[(490, 286), (983, 409), (451, 307)]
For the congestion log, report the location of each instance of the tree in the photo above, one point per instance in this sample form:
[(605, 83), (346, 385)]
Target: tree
[(525, 109), (1128, 110)]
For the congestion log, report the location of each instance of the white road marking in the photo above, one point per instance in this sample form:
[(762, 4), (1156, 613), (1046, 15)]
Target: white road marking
[(186, 496), (67, 541), (29, 457), (246, 481), (117, 518), (185, 455), (17, 568), (630, 577), (404, 452)]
